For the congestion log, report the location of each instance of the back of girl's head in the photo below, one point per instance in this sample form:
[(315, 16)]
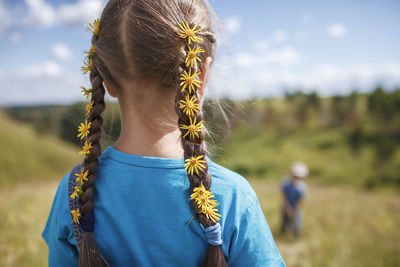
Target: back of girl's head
[(138, 42)]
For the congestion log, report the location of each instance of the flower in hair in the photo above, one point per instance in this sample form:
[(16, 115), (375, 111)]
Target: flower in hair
[(86, 148), (74, 194), (189, 105), (77, 192), (195, 164), (94, 27), (75, 215), (205, 201), (91, 50), (81, 176), (86, 92), (193, 128), (89, 108), (211, 213), (200, 191), (185, 31), (190, 81), (83, 129), (88, 64), (192, 55)]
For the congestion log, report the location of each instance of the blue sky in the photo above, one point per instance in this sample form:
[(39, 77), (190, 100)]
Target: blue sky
[(332, 47)]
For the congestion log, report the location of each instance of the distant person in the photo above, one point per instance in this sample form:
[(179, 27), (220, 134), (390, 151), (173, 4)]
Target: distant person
[(293, 191), (154, 198)]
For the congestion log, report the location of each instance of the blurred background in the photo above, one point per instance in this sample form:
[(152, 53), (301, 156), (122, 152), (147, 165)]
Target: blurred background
[(311, 81)]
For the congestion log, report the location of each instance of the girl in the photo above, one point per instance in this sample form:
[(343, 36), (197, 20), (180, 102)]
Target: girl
[(154, 198)]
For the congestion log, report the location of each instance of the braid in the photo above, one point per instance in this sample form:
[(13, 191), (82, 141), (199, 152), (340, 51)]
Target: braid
[(91, 160), (89, 256), (193, 147), (190, 122)]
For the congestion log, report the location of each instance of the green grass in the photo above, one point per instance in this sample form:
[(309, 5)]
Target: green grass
[(29, 156), (263, 153)]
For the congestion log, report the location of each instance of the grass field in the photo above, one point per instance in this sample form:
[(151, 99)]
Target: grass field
[(29, 156), (344, 227), (325, 151)]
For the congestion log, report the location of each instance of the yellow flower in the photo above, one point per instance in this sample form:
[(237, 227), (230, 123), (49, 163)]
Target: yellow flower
[(81, 176), (190, 81), (77, 192), (88, 64), (189, 105), (78, 189), (86, 92), (192, 129), (91, 50), (211, 213), (94, 27), (195, 164), (200, 191), (86, 148), (83, 129), (75, 215), (74, 194), (204, 201), (185, 31), (88, 108), (192, 56)]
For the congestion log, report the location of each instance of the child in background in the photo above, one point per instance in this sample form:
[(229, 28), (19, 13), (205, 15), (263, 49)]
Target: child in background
[(293, 190), (154, 198)]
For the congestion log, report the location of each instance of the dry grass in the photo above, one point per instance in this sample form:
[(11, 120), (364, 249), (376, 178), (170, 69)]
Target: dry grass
[(344, 227), (23, 213)]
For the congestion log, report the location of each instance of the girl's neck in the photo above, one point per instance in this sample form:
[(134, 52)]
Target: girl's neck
[(141, 135)]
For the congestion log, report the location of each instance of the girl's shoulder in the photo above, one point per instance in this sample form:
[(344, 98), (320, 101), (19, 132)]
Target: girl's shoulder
[(232, 187)]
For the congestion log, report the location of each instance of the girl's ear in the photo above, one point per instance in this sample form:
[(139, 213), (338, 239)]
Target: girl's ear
[(110, 90), (203, 74)]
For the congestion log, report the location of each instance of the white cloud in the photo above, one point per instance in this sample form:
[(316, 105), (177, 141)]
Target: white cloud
[(80, 12), (5, 17), (271, 69), (262, 45), (41, 83), (306, 18), (337, 30), (41, 13), (245, 59), (279, 36), (331, 79), (15, 37), (283, 56), (61, 51), (48, 68), (233, 24)]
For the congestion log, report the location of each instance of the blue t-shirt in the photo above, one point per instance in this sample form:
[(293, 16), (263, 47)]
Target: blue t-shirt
[(142, 207), (293, 191)]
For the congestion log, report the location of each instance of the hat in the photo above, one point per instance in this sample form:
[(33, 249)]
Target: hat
[(299, 169)]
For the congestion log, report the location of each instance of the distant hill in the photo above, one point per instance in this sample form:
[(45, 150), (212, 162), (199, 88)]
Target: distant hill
[(345, 139), (29, 156)]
